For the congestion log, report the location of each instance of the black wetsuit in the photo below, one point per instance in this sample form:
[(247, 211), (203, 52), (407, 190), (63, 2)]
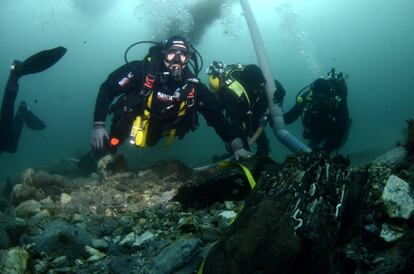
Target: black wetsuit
[(326, 122), (10, 127), (245, 111), (127, 83)]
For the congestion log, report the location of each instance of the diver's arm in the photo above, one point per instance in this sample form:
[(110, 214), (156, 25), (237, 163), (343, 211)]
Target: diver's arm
[(293, 114), (211, 110), (234, 112), (122, 80)]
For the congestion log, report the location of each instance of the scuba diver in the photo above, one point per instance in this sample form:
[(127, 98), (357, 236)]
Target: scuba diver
[(11, 124), (241, 91), (324, 110), (158, 97)]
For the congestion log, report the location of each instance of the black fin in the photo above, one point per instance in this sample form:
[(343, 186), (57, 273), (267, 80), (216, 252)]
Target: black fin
[(33, 122), (41, 60), (30, 119)]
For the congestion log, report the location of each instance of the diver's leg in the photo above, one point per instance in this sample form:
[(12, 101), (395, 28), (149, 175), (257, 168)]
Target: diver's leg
[(10, 133), (7, 110), (17, 127)]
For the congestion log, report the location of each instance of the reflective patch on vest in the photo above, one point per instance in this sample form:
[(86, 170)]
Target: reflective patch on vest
[(125, 80), (164, 97)]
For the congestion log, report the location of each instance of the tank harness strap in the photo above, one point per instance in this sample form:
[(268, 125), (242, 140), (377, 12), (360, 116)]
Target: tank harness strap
[(187, 100), (171, 134), (234, 85)]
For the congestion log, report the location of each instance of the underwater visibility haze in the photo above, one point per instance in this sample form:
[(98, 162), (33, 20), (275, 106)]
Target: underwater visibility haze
[(369, 41)]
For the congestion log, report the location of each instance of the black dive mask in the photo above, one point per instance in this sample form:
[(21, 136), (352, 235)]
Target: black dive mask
[(176, 58)]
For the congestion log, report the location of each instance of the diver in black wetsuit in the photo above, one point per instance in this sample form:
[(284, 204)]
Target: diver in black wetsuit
[(324, 110), (11, 124), (241, 90)]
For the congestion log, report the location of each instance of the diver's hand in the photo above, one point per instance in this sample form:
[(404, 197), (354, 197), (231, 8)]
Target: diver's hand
[(99, 137), (239, 152)]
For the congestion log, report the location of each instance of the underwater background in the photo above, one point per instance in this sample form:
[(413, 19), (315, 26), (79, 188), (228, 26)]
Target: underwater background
[(370, 41)]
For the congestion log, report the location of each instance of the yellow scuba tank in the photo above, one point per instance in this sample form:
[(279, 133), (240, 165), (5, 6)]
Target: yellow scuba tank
[(139, 130)]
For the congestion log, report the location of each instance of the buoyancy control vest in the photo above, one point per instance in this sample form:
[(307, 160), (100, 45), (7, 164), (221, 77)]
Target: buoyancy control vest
[(163, 114), (246, 83)]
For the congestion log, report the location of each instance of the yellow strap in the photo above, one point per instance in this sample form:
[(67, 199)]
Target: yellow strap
[(149, 104), (249, 176), (181, 110), (252, 183), (170, 138), (201, 269), (172, 132)]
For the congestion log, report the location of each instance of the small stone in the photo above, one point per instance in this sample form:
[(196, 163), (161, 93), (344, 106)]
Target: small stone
[(167, 196), (378, 260), (128, 240), (109, 212), (14, 260), (99, 244), (96, 255), (59, 261), (78, 218), (126, 221), (42, 215), (397, 199), (137, 229), (22, 192), (226, 218), (65, 199), (143, 238), (47, 202), (391, 233), (40, 266), (27, 176), (229, 205), (28, 208), (116, 239), (66, 269)]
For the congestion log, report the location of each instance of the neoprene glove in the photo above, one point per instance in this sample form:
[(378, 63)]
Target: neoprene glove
[(99, 137), (239, 152), (278, 95)]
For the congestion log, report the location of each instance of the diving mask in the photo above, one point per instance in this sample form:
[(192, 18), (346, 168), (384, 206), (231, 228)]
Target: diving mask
[(177, 56)]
